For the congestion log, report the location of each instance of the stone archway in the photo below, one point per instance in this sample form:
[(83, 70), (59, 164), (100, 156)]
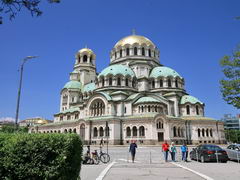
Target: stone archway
[(82, 132)]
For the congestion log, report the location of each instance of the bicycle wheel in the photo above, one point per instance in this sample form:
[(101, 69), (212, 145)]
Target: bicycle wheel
[(105, 158)]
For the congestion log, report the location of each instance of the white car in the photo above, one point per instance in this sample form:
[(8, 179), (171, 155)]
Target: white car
[(233, 152)]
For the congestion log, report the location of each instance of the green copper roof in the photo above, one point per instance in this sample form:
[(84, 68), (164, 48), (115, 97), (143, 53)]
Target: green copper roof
[(89, 87), (133, 96), (73, 85), (119, 92), (146, 100), (70, 110), (164, 72), (106, 95), (117, 69), (190, 99)]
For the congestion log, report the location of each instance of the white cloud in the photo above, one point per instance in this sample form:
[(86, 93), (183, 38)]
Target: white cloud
[(7, 119)]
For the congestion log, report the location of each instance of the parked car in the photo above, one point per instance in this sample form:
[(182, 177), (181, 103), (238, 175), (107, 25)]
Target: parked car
[(233, 152), (209, 152)]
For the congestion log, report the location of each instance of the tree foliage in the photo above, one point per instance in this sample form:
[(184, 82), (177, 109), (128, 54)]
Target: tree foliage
[(10, 128), (12, 7), (230, 85), (232, 136)]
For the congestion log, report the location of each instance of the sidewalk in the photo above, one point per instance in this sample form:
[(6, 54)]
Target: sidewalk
[(140, 171)]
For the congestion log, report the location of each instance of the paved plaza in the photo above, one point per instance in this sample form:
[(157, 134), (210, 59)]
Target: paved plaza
[(149, 165)]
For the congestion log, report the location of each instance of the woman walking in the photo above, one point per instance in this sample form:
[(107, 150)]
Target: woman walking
[(165, 149), (173, 151), (132, 149)]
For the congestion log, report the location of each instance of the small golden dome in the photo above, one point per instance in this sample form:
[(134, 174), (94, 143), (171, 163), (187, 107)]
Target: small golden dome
[(86, 50), (132, 39)]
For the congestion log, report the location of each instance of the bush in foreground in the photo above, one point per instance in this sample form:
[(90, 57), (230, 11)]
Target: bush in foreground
[(40, 156)]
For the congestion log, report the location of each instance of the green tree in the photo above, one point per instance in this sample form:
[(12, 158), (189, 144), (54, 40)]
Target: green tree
[(12, 7), (230, 85)]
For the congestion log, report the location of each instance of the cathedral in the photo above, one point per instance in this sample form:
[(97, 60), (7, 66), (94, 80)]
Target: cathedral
[(134, 98)]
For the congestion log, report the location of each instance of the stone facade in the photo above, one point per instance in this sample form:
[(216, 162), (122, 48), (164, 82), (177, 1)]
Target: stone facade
[(134, 98)]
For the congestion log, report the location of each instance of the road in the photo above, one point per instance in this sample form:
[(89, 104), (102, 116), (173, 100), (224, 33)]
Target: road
[(150, 165)]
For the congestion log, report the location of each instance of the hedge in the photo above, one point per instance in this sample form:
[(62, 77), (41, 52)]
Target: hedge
[(40, 156)]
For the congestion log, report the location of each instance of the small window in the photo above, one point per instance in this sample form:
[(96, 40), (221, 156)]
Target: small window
[(161, 83), (115, 55), (197, 110), (127, 52), (125, 109), (110, 81), (143, 51), (68, 117), (120, 53), (119, 81), (135, 51), (126, 82), (153, 84), (103, 82), (169, 83), (85, 58), (188, 109), (176, 83), (90, 59), (149, 53)]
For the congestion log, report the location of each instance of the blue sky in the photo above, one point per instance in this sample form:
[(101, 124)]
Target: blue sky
[(192, 37)]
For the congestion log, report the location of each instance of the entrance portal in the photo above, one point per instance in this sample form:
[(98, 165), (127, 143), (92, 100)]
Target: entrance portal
[(160, 136)]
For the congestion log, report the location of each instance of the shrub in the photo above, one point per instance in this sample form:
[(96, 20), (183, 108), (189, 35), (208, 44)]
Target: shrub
[(40, 156)]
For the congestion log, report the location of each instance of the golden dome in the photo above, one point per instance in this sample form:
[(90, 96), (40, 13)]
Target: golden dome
[(132, 39), (86, 50)]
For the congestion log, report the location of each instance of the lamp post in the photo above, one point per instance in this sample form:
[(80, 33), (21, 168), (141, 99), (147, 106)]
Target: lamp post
[(20, 86)]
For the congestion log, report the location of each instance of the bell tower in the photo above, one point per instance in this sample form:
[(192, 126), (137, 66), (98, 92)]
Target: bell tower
[(85, 66)]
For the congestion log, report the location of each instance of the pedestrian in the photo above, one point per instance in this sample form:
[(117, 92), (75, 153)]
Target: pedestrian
[(165, 149), (173, 151), (101, 143), (184, 151), (132, 150)]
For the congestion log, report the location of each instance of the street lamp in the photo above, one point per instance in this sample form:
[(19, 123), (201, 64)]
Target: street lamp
[(20, 86)]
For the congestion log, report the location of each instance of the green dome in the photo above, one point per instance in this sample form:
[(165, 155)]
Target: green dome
[(164, 72), (89, 87), (117, 69), (189, 99), (73, 85), (146, 100)]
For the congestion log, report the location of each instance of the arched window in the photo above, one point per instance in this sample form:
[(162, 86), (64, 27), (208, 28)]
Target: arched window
[(128, 132), (65, 130), (125, 109), (154, 54), (149, 108), (85, 58), (211, 133), (174, 131), (103, 82), (133, 83), (149, 53), (127, 52), (161, 83), (188, 109), (153, 84), (97, 108), (139, 109), (115, 55), (135, 51), (207, 133), (126, 81), (119, 81), (182, 132), (197, 110), (143, 51), (70, 130), (176, 83), (107, 131), (141, 131), (101, 132), (199, 132), (74, 130), (110, 81), (169, 83), (142, 108), (134, 129), (159, 125), (203, 132), (120, 53), (95, 132)]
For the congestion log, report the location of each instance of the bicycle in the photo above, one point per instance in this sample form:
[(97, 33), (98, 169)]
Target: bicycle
[(104, 157)]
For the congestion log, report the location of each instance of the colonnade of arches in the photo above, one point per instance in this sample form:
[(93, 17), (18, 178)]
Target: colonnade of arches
[(151, 108), (135, 132), (159, 125), (205, 132), (70, 130), (101, 132), (178, 131), (166, 82), (135, 50), (117, 80)]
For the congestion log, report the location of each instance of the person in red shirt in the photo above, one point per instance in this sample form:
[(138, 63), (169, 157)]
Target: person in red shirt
[(165, 149)]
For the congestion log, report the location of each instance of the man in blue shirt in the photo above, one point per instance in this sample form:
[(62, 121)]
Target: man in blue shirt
[(132, 149), (184, 151)]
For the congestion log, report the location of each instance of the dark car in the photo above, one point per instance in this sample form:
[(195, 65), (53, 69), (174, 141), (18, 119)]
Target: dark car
[(233, 152), (209, 152)]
